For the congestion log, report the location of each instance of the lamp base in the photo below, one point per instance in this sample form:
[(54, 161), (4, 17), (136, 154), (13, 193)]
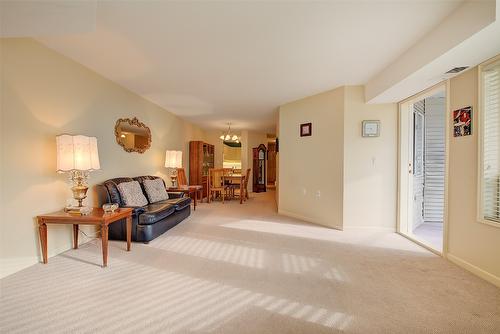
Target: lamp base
[(173, 178), (78, 210), (79, 189)]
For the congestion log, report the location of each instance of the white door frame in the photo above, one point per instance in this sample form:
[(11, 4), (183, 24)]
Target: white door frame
[(404, 155)]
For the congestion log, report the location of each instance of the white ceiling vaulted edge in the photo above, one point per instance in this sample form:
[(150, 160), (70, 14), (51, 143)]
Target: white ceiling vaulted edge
[(214, 62)]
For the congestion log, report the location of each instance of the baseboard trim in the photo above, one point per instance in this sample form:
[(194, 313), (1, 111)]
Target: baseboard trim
[(495, 280), (373, 228), (306, 219)]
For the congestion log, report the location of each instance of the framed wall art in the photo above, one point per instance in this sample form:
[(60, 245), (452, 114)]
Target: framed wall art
[(462, 122), (306, 129)]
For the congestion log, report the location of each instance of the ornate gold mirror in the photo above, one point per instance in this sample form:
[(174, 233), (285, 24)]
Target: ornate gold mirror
[(132, 135)]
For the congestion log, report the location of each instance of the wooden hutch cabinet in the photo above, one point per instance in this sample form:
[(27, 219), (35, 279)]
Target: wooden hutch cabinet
[(201, 159), (259, 169)]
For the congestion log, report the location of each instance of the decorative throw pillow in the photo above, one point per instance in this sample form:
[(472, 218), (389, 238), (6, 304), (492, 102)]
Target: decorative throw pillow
[(155, 189), (131, 193)]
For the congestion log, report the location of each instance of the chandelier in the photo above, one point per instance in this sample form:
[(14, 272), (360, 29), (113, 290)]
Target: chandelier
[(228, 136)]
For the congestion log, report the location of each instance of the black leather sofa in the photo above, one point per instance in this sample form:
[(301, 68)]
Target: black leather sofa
[(151, 220)]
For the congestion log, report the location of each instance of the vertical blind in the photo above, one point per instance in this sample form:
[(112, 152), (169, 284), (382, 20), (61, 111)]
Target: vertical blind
[(490, 88), (418, 162), (434, 158)]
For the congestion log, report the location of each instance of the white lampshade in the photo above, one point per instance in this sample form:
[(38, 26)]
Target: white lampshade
[(222, 137), (173, 159), (77, 153)]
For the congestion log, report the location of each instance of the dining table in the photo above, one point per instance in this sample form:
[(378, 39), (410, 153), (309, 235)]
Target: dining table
[(235, 178)]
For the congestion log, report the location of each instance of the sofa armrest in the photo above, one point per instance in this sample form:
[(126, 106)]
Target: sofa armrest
[(136, 210), (175, 194)]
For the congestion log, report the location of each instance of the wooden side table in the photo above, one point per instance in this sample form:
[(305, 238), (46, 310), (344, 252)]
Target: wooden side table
[(96, 217), (190, 190)]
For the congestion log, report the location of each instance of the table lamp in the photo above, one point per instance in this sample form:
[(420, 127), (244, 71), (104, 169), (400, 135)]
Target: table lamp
[(173, 159), (77, 155)]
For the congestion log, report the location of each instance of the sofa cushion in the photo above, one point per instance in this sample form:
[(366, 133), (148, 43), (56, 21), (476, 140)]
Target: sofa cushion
[(156, 212), (131, 194), (113, 192), (155, 190), (141, 179)]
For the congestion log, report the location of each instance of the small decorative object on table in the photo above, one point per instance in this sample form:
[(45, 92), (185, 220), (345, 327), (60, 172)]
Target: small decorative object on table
[(110, 207)]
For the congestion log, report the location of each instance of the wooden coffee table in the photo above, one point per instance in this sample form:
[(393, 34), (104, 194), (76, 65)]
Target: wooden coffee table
[(96, 217), (190, 190)]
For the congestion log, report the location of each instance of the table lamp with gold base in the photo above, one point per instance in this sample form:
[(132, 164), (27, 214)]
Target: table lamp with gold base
[(77, 155), (173, 160)]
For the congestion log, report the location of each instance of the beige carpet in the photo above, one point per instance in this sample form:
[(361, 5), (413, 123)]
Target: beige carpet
[(243, 269)]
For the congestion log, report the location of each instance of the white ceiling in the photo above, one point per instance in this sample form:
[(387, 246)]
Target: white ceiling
[(451, 44), (214, 62)]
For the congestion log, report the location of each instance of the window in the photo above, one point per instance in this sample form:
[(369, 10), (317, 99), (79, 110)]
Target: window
[(490, 143)]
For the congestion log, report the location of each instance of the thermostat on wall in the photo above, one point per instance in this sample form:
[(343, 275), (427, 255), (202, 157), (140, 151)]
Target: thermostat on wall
[(371, 128)]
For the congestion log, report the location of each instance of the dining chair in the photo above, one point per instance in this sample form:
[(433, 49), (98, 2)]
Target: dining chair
[(236, 186), (245, 186), (216, 184), (181, 177), (230, 182)]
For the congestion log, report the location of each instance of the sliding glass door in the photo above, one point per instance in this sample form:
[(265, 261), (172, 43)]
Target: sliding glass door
[(422, 132)]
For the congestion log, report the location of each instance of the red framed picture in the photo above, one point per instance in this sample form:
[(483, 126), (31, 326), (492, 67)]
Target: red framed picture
[(306, 129), (462, 122)]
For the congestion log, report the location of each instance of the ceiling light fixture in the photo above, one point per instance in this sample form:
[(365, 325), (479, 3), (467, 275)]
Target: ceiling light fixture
[(228, 136)]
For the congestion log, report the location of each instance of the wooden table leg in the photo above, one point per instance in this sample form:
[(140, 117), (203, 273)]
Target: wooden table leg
[(241, 191), (195, 199), (75, 236), (104, 238), (42, 230), (129, 232), (246, 191)]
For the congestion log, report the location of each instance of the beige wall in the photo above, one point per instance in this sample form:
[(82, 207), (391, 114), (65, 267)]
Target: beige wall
[(212, 137), (45, 94), (370, 164), (308, 165), (336, 177), (471, 244)]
